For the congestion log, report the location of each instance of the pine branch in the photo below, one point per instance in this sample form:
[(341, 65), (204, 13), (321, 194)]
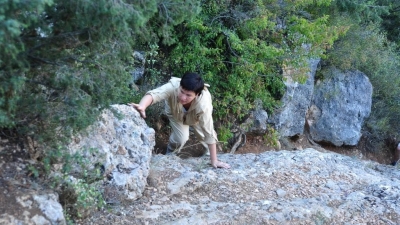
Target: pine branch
[(42, 60)]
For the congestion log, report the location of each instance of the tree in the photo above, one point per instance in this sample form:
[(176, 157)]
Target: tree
[(62, 62), (391, 21)]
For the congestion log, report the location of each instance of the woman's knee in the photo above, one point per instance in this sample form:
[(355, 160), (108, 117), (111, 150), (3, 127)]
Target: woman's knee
[(180, 139), (183, 139)]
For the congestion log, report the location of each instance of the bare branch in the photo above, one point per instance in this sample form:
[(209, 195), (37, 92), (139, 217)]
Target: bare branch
[(42, 60), (59, 36)]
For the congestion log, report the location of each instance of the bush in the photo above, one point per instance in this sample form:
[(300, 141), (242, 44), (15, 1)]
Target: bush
[(62, 62), (240, 48)]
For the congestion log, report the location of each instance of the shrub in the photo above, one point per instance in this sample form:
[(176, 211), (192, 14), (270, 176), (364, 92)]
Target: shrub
[(240, 48)]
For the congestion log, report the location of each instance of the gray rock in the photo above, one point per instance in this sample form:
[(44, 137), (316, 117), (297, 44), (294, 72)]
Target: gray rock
[(139, 62), (280, 193), (257, 121), (285, 187), (340, 104), (123, 146), (50, 207), (289, 119), (33, 208)]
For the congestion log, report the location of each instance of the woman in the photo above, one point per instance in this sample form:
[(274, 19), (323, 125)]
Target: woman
[(187, 103)]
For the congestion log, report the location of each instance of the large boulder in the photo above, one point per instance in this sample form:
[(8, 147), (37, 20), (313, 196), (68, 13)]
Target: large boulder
[(340, 104), (122, 144), (289, 119)]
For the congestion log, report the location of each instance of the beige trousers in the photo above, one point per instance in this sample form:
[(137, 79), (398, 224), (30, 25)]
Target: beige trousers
[(180, 135)]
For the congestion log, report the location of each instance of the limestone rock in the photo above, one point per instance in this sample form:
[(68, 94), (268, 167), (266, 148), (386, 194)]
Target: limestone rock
[(33, 208), (289, 119), (284, 187), (340, 105), (122, 145)]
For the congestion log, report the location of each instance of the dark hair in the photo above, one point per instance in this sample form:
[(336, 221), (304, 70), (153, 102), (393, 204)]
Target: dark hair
[(192, 82)]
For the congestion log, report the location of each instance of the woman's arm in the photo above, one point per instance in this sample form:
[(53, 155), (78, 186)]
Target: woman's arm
[(213, 157), (143, 104)]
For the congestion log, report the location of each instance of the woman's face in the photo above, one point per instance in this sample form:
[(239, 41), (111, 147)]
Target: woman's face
[(185, 97)]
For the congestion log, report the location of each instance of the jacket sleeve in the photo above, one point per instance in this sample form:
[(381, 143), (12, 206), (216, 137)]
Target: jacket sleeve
[(207, 124), (161, 93)]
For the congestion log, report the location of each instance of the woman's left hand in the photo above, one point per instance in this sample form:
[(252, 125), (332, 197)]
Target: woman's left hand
[(219, 164)]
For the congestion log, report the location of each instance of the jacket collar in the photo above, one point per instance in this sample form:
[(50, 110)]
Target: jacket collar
[(196, 101)]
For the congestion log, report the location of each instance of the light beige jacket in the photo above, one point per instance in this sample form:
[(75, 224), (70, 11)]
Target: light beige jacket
[(199, 113)]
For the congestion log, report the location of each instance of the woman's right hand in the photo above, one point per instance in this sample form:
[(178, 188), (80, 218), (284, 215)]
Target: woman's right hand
[(139, 108), (144, 103)]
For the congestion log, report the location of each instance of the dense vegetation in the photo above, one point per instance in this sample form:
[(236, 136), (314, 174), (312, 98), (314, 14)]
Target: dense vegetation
[(62, 62)]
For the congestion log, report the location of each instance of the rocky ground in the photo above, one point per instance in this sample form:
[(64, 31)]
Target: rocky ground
[(300, 185), (275, 187), (264, 186), (24, 191)]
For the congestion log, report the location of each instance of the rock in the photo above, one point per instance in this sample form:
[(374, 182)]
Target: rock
[(340, 104), (289, 120), (256, 123), (280, 193), (32, 208), (123, 147), (284, 187), (139, 62)]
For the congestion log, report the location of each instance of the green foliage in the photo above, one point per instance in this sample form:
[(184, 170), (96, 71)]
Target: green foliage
[(15, 17), (86, 197), (363, 46), (62, 62), (10, 89), (240, 50), (33, 171), (391, 21), (271, 137), (172, 13), (78, 193), (155, 68), (362, 11), (224, 134), (75, 57)]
